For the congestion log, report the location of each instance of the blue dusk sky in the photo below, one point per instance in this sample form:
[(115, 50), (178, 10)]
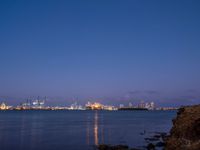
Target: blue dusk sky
[(112, 51)]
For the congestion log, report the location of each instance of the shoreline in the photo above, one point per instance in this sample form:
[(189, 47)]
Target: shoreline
[(184, 134), (35, 110)]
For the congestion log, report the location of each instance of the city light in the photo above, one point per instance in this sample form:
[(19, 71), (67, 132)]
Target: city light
[(40, 104)]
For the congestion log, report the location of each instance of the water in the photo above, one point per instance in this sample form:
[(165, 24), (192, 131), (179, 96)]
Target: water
[(78, 130)]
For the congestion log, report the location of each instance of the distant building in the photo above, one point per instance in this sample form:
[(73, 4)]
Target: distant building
[(121, 105), (141, 105), (98, 106), (94, 106), (130, 104), (147, 105), (38, 104), (3, 106), (152, 105), (75, 106)]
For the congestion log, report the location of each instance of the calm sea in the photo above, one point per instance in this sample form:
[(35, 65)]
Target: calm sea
[(79, 130)]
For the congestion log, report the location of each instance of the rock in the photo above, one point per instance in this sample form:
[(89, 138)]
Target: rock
[(163, 135), (120, 147), (150, 146), (110, 147), (103, 147), (157, 136), (185, 133), (160, 144)]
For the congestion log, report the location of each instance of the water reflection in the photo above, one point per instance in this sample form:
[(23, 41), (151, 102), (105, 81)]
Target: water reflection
[(88, 131), (96, 139), (94, 132), (55, 130)]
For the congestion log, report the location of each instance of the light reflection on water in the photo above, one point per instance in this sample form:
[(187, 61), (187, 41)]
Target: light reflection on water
[(74, 130), (95, 133), (96, 139)]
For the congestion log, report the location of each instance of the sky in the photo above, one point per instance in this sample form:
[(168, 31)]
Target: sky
[(111, 51)]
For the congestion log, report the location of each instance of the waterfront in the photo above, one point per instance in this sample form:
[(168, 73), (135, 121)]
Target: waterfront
[(76, 130), (39, 105)]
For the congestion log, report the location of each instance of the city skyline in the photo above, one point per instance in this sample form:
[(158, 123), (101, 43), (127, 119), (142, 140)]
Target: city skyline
[(113, 52), (128, 98), (41, 104)]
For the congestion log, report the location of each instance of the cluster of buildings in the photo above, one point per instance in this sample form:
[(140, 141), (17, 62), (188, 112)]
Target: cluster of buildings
[(99, 106), (32, 104), (38, 104), (3, 106), (149, 106), (28, 105), (141, 105), (76, 106)]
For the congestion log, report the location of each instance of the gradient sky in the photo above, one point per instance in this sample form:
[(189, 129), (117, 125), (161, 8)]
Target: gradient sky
[(113, 50)]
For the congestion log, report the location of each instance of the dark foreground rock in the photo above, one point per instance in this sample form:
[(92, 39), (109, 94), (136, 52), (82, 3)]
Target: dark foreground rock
[(160, 144), (185, 133), (151, 146), (115, 147), (152, 143)]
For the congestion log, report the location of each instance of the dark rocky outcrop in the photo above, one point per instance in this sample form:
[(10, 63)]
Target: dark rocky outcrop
[(185, 133)]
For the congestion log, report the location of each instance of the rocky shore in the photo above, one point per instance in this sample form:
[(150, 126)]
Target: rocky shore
[(155, 142), (185, 133)]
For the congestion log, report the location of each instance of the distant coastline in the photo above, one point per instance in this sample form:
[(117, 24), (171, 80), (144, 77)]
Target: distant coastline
[(40, 105)]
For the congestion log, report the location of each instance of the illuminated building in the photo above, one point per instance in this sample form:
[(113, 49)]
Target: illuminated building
[(152, 105), (109, 107), (75, 106), (141, 105), (94, 106), (3, 106), (98, 106), (38, 104)]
